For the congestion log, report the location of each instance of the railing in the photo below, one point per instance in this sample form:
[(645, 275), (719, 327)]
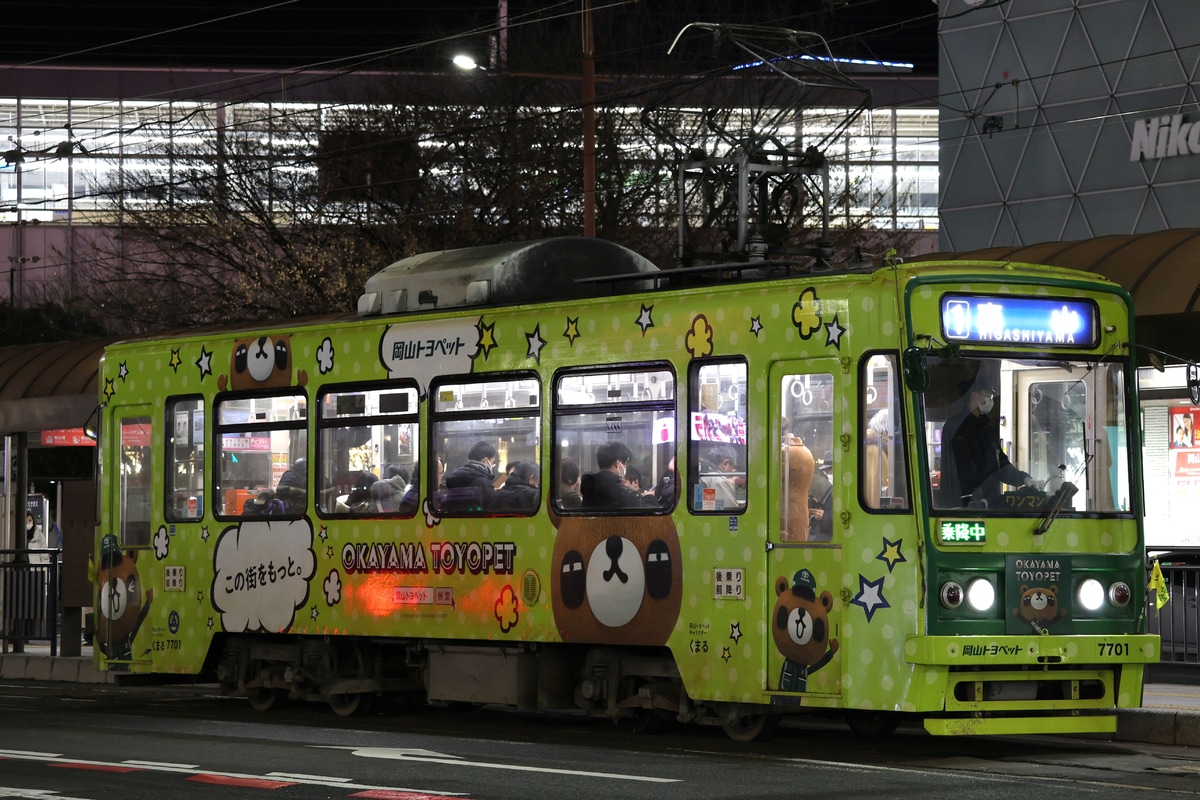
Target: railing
[(29, 598), (1178, 622)]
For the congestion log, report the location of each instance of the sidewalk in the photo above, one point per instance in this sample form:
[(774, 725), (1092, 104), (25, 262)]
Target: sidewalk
[(1170, 712), (35, 664)]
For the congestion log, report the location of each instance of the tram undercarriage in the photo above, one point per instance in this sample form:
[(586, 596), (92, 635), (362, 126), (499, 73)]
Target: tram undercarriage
[(638, 690)]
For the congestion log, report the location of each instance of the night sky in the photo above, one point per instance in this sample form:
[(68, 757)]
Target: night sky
[(293, 34)]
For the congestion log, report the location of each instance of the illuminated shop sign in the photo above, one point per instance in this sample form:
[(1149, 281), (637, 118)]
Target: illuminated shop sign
[(1041, 321), (1163, 137)]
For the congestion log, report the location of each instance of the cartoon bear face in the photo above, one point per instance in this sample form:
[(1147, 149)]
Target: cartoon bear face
[(617, 580), (263, 362), (120, 604), (800, 621), (1039, 604)]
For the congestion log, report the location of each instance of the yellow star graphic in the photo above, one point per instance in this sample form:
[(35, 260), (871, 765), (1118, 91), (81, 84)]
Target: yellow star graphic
[(109, 388), (891, 554), (487, 338), (572, 331), (175, 360)]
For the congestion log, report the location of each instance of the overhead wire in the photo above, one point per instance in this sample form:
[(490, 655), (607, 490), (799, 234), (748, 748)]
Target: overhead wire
[(939, 139)]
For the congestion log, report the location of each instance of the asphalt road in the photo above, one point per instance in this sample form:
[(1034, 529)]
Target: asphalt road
[(104, 742)]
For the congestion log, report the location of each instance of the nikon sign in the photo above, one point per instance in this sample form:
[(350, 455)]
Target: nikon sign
[(1163, 137)]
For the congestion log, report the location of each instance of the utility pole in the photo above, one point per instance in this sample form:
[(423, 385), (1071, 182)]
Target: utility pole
[(589, 124)]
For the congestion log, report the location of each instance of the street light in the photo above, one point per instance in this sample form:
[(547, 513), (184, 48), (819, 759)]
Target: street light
[(466, 62)]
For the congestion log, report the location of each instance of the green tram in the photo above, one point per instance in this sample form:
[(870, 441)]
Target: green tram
[(283, 507)]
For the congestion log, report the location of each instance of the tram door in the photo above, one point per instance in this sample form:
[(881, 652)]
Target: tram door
[(123, 600), (803, 529)]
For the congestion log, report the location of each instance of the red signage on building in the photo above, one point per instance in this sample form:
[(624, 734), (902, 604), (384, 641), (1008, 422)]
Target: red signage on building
[(67, 437)]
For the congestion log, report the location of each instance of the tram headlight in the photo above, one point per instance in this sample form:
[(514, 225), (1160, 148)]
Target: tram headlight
[(952, 594), (1091, 594), (1119, 594), (981, 594)]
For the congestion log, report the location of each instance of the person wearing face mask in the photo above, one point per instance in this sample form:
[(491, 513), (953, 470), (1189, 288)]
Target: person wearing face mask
[(35, 539), (980, 464), (604, 488), (474, 479)]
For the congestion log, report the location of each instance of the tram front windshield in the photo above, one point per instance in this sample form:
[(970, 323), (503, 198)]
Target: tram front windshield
[(1018, 436)]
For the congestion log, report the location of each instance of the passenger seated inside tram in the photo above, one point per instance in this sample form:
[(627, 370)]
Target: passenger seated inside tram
[(722, 472), (603, 489), (522, 489)]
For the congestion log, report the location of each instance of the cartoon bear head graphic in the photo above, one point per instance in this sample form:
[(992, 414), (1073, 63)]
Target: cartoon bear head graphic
[(800, 628), (616, 580), (1039, 606), (120, 602), (261, 362)]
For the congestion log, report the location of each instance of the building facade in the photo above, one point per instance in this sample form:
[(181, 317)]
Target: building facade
[(1070, 134)]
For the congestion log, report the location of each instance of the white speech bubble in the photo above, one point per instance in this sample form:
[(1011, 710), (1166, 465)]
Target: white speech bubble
[(421, 350), (262, 570)]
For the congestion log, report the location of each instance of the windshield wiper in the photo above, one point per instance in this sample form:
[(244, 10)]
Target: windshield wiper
[(1065, 492)]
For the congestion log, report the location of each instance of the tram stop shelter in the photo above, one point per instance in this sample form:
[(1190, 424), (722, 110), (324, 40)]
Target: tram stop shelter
[(46, 388)]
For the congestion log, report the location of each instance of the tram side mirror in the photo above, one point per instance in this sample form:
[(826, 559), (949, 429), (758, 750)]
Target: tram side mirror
[(916, 370), (91, 428), (1193, 382)]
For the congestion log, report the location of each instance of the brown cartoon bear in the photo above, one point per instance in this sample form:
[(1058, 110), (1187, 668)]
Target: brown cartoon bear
[(616, 580), (1039, 606), (120, 603), (262, 362), (800, 628)]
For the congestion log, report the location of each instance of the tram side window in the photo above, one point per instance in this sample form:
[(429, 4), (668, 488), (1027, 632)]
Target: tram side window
[(480, 430), (807, 458), (367, 450), (616, 428), (717, 436), (135, 482), (260, 459), (185, 459), (883, 483)]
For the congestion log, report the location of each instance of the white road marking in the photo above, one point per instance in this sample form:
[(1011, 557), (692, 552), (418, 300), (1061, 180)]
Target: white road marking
[(400, 754), (183, 769), (299, 776)]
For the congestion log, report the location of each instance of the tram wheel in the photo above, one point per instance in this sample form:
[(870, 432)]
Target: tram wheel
[(641, 721), (752, 727), (872, 724), (352, 663), (263, 698)]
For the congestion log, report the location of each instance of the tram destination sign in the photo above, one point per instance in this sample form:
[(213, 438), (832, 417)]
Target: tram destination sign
[(1007, 320)]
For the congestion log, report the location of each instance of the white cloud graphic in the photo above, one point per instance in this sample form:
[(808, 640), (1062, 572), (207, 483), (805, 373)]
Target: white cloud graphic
[(421, 350), (325, 356), (162, 543), (262, 570), (333, 588)]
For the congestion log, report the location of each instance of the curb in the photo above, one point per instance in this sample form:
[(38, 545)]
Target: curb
[(1180, 728), (33, 667)]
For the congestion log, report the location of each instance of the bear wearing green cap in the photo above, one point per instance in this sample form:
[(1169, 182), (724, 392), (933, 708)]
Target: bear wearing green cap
[(800, 628), (120, 603)]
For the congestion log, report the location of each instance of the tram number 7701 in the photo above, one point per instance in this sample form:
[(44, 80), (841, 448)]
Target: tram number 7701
[(1113, 649)]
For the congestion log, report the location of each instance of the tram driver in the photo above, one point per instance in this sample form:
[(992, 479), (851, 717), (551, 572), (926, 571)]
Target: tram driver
[(974, 463)]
